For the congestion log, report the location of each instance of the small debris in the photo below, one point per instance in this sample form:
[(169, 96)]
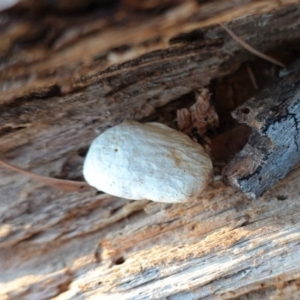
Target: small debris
[(199, 116)]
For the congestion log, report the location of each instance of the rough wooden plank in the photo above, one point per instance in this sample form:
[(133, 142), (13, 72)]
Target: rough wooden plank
[(34, 48), (221, 245), (272, 150)]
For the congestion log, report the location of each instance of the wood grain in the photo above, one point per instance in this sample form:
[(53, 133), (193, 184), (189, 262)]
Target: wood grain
[(67, 76)]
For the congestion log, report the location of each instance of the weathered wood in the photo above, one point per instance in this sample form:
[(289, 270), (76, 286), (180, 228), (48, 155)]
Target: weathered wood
[(169, 73), (64, 78), (273, 147)]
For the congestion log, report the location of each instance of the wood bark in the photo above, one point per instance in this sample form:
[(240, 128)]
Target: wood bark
[(68, 74), (272, 150)]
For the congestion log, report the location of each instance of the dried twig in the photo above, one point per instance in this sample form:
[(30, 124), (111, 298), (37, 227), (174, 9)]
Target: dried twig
[(252, 50), (252, 77), (61, 184)]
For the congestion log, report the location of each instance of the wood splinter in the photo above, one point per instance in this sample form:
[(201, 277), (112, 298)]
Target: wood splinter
[(273, 148)]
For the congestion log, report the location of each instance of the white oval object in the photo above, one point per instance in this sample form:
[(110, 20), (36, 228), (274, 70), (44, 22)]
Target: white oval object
[(147, 161)]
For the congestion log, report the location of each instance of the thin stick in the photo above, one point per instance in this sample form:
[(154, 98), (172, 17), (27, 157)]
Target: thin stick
[(252, 50), (65, 185), (252, 77)]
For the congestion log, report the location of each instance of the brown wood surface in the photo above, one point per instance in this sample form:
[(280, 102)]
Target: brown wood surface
[(68, 73)]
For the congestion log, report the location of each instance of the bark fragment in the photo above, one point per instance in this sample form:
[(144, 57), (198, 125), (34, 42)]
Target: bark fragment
[(273, 148)]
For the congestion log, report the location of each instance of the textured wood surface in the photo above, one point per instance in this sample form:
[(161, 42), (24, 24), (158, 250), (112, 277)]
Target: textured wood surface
[(64, 78), (272, 150)]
